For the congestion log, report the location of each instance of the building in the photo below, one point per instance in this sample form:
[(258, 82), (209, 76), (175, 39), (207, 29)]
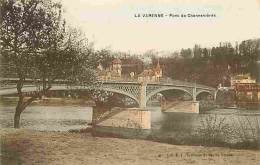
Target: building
[(158, 72), (248, 94), (132, 75), (113, 72), (250, 90), (116, 67), (147, 76), (151, 75), (103, 74), (241, 78)]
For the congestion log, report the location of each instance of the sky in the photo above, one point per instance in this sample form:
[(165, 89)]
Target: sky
[(113, 23)]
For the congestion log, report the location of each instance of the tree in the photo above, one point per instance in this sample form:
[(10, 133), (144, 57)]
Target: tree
[(197, 51), (36, 45), (132, 64), (186, 53), (205, 53), (175, 54), (250, 54), (105, 57)]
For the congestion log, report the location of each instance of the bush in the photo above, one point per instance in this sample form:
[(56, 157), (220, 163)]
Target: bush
[(247, 132), (214, 131)]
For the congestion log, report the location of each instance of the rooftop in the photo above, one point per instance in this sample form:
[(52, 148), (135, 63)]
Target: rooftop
[(145, 73)]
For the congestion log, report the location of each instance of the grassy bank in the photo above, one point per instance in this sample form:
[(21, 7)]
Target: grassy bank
[(213, 132), (27, 147)]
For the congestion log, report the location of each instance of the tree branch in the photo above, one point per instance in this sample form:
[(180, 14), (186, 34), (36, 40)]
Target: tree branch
[(37, 95)]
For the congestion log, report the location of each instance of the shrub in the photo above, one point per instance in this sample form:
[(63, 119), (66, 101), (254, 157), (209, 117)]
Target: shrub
[(214, 131), (247, 132)]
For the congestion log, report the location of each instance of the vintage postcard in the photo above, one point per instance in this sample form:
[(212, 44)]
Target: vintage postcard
[(129, 82)]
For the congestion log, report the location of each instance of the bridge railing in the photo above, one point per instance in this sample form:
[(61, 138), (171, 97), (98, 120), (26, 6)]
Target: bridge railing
[(119, 80), (204, 86), (176, 82), (184, 83)]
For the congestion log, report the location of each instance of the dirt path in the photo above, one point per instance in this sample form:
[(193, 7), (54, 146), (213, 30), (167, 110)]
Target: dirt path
[(27, 147)]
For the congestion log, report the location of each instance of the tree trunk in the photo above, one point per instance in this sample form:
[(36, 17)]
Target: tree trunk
[(94, 115), (22, 105), (17, 118)]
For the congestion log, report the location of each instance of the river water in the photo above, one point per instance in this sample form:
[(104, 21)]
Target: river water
[(219, 118), (47, 118)]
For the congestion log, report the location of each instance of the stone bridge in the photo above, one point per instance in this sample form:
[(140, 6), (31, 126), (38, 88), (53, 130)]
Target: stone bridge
[(140, 92)]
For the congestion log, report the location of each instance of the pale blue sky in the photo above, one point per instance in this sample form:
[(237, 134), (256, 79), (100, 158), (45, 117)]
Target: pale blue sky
[(112, 23)]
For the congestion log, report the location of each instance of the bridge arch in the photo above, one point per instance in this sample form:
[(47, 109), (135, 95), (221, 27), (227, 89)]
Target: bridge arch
[(121, 92), (165, 89), (204, 91)]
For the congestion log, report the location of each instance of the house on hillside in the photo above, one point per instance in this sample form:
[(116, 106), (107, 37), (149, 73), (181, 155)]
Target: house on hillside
[(116, 67), (113, 72), (150, 75), (241, 78), (247, 95)]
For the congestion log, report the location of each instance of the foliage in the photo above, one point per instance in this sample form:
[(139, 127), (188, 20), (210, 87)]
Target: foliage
[(37, 45), (213, 66), (229, 132), (247, 131), (105, 57), (208, 66), (132, 64), (186, 53), (225, 96), (214, 130)]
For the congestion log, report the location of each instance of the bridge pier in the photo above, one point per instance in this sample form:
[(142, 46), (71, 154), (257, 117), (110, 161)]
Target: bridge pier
[(127, 118), (194, 93), (143, 95), (214, 95)]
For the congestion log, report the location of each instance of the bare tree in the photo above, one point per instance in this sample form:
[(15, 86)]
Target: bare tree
[(36, 45)]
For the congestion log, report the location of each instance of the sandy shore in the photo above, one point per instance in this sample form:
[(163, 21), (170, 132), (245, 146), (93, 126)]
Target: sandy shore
[(28, 147)]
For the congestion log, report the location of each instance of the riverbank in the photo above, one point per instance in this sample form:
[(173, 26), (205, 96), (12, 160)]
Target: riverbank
[(33, 147)]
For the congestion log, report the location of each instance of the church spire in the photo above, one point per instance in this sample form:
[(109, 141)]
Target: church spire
[(158, 68)]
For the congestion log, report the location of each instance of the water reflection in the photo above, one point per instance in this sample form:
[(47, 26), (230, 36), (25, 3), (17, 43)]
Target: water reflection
[(66, 118), (182, 122), (171, 121)]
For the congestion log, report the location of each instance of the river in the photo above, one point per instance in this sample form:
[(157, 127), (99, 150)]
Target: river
[(47, 118)]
